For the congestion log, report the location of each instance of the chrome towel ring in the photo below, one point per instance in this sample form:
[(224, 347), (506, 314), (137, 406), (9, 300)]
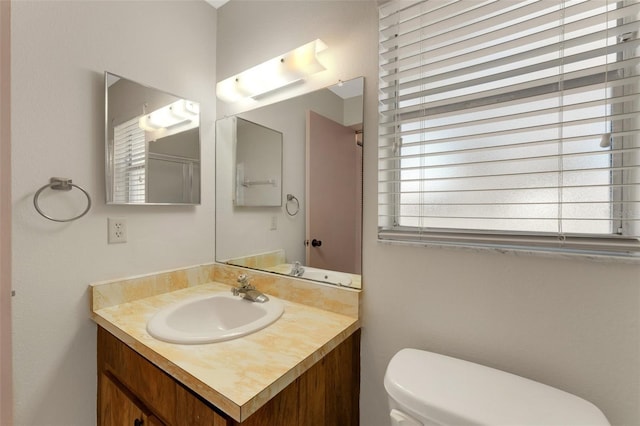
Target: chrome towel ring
[(61, 184), (291, 197)]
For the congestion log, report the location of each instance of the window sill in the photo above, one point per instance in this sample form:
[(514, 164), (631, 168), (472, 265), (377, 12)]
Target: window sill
[(521, 251)]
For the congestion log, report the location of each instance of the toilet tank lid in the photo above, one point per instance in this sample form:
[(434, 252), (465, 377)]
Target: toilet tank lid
[(451, 391)]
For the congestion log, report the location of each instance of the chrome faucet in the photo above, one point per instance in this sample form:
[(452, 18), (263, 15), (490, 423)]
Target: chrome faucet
[(248, 291), (296, 270)]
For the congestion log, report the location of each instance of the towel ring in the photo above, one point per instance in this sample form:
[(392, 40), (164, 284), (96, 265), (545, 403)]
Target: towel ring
[(61, 184), (291, 197)]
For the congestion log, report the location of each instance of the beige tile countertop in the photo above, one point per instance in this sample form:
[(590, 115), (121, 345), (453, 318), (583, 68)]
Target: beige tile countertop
[(237, 376)]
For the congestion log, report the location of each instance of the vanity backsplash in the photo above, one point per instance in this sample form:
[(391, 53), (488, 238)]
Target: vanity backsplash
[(340, 300)]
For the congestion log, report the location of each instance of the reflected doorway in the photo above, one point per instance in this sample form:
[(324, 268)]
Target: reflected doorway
[(334, 194)]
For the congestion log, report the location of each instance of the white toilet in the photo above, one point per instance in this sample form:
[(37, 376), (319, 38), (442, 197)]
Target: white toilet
[(425, 388)]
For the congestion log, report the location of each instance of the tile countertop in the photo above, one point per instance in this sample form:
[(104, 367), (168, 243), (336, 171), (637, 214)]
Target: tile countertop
[(237, 376)]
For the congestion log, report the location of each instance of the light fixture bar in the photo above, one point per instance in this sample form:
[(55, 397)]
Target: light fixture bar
[(170, 115), (273, 74)]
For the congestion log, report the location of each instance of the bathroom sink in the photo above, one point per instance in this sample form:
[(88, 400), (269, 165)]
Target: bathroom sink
[(332, 277), (212, 318)]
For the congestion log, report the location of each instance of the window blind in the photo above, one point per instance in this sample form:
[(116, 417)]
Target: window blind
[(510, 123), (129, 160)]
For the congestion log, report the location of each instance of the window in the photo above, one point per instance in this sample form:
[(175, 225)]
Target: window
[(129, 158), (510, 123)]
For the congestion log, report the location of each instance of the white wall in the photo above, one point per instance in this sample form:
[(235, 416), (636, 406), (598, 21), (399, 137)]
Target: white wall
[(573, 323), (60, 50)]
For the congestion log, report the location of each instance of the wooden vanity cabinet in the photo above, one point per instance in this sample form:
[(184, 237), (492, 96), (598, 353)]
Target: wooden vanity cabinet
[(133, 391)]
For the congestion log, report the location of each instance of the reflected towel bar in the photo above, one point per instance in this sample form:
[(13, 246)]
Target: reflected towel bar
[(291, 197), (259, 182)]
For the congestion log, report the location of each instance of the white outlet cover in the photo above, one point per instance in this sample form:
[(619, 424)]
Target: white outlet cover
[(117, 230)]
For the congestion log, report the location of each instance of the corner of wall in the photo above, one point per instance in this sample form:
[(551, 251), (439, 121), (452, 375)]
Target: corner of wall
[(6, 385)]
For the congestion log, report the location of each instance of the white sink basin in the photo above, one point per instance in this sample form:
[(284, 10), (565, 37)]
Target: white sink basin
[(331, 277), (212, 318)]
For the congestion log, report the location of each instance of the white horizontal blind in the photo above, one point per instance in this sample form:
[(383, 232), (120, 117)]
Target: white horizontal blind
[(129, 160), (510, 123)]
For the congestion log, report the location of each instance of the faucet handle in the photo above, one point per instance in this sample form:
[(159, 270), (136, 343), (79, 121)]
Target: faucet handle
[(243, 280), (296, 270)]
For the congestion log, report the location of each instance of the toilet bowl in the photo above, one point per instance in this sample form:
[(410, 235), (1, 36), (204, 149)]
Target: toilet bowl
[(428, 389)]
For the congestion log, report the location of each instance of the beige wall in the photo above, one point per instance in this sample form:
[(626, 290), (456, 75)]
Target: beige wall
[(570, 322), (60, 52)]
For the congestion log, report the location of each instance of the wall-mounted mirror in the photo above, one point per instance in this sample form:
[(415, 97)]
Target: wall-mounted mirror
[(152, 145), (319, 222)]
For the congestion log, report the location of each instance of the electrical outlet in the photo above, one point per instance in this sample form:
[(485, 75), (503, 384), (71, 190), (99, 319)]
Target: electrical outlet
[(117, 230), (274, 223)]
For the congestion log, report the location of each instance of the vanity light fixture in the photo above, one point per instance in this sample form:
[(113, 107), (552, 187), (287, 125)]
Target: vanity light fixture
[(170, 115), (273, 74)]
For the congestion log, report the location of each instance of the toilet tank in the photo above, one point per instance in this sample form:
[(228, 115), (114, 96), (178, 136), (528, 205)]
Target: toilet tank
[(433, 389)]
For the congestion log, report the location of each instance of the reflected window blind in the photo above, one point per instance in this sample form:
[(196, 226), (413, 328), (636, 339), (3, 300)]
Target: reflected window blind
[(510, 123), (129, 160)]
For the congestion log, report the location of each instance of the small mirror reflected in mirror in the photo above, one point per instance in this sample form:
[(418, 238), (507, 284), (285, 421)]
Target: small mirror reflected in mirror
[(258, 164)]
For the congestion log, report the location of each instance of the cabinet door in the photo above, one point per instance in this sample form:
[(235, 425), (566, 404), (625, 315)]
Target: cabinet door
[(117, 407), (143, 381)]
